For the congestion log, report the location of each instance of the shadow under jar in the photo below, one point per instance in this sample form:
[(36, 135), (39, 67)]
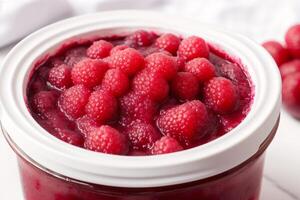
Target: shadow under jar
[(227, 168)]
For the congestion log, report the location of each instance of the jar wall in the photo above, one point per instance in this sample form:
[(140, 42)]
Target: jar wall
[(240, 183)]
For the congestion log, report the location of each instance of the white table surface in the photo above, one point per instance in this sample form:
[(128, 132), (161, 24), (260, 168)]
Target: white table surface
[(281, 176)]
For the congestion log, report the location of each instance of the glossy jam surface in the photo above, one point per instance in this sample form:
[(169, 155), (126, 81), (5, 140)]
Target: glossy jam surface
[(139, 94), (242, 183)]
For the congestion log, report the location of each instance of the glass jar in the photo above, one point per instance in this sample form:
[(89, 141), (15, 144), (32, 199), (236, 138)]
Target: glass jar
[(228, 168)]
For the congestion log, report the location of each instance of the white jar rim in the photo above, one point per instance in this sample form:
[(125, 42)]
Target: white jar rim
[(197, 163)]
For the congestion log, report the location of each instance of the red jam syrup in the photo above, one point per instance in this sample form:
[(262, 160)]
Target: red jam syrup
[(141, 94)]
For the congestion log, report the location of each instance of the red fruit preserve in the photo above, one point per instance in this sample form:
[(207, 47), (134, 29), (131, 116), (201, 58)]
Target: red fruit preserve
[(106, 108), (130, 90)]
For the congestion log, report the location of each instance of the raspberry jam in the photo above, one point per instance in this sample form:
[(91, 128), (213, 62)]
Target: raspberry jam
[(139, 94)]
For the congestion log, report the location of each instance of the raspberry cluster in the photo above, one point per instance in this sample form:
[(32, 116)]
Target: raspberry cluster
[(287, 57), (139, 95)]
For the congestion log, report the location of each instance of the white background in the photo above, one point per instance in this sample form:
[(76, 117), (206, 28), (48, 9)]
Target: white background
[(259, 20)]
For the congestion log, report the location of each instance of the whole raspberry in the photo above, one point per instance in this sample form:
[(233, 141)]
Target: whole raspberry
[(99, 49), (142, 135), (102, 106), (136, 107), (60, 77), (220, 95), (128, 60), (117, 48), (73, 100), (116, 82), (292, 39), (184, 122), (168, 42), (185, 86), (44, 101), (290, 67), (291, 94), (166, 145), (70, 137), (193, 47), (106, 140), (75, 55), (277, 51), (86, 124), (139, 38), (202, 68), (88, 72), (151, 85), (162, 64)]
